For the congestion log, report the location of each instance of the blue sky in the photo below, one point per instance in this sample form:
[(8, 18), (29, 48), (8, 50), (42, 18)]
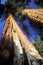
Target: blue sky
[(3, 1)]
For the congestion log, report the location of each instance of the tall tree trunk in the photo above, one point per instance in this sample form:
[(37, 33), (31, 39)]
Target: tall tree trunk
[(35, 14), (13, 40)]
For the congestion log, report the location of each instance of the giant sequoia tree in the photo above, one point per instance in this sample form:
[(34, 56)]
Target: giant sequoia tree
[(13, 36)]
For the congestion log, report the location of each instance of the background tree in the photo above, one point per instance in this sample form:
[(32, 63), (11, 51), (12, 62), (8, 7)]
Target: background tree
[(39, 46)]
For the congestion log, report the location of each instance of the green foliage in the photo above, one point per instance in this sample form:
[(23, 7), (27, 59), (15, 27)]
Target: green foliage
[(15, 7), (39, 46)]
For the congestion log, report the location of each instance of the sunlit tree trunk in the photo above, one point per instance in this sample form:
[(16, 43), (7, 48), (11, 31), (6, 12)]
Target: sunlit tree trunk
[(34, 14), (10, 38), (15, 41)]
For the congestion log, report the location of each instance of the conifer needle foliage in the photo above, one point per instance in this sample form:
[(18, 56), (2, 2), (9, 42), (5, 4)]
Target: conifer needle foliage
[(15, 6), (39, 46)]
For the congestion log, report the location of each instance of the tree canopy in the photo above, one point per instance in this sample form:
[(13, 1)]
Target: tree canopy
[(39, 46), (16, 6)]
